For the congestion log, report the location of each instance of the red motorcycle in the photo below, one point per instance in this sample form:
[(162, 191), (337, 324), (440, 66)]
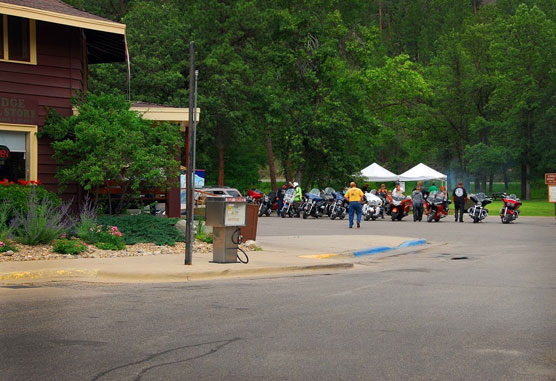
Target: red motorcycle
[(254, 196), (399, 207), (510, 210), (436, 207)]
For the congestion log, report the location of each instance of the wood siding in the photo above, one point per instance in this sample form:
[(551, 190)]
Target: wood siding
[(57, 76)]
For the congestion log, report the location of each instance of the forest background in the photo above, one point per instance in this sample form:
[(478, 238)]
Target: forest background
[(316, 90)]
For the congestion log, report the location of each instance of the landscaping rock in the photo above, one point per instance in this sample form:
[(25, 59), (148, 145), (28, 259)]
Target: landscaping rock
[(251, 245), (9, 253), (181, 225)]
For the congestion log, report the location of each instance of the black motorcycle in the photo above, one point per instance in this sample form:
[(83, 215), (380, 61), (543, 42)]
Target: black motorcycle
[(267, 204), (478, 212)]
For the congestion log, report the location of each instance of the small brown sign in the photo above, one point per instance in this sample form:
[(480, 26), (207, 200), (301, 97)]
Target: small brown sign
[(18, 109), (550, 178)]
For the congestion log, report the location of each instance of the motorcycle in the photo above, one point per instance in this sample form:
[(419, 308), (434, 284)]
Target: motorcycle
[(510, 210), (436, 207), (328, 196), (315, 205), (372, 207), (399, 207), (289, 208), (339, 209), (268, 204), (478, 212), (254, 196)]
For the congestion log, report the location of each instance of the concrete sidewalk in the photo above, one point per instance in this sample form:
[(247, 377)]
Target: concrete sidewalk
[(284, 254)]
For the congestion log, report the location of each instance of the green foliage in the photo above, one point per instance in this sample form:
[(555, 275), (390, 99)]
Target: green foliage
[(15, 199), (6, 245), (201, 233), (145, 228), (86, 229), (107, 141), (110, 238), (325, 87), (69, 246)]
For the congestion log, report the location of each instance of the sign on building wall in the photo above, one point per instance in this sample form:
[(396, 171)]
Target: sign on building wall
[(18, 109)]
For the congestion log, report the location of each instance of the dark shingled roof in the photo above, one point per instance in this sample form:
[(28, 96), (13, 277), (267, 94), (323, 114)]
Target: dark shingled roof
[(57, 6)]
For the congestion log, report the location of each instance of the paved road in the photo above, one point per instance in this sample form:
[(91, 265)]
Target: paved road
[(421, 316)]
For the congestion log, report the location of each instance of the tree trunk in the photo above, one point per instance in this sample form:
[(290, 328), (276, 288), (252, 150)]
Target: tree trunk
[(220, 145), (477, 185), (490, 181), (380, 16), (474, 7), (484, 184), (506, 185), (271, 166), (122, 199)]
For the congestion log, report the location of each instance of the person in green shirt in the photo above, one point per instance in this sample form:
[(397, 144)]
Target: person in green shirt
[(297, 199), (433, 189)]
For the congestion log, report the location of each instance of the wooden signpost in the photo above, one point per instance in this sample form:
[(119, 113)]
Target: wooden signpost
[(550, 181)]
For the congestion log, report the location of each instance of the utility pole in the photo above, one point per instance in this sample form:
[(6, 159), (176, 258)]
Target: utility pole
[(190, 175)]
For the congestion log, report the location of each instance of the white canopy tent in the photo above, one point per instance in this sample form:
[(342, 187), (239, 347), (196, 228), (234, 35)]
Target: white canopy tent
[(375, 172), (421, 172)]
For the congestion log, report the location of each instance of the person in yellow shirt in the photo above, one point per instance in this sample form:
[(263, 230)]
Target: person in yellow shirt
[(354, 196)]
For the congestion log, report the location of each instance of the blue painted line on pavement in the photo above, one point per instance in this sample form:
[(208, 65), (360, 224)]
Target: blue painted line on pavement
[(381, 249), (372, 250), (414, 242)]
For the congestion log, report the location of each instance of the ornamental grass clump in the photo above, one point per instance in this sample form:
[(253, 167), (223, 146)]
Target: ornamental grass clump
[(86, 227), (41, 222)]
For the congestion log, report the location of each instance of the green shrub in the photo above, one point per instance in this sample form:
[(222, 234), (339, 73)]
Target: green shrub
[(6, 245), (110, 238), (17, 196), (69, 246), (5, 210), (145, 228)]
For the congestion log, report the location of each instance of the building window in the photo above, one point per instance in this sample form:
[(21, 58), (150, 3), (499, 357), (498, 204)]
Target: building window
[(22, 163), (18, 40)]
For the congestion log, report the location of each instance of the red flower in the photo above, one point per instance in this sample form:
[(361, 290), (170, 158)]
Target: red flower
[(23, 182)]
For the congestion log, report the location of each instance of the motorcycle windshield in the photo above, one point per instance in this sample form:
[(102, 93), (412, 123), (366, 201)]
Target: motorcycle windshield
[(435, 198), (289, 196), (329, 190)]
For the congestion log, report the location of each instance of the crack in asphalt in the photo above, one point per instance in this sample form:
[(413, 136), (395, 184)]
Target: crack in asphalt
[(222, 344)]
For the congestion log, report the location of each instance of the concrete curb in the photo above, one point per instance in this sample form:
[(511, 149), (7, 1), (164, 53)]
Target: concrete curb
[(381, 249), (123, 277), (46, 274)]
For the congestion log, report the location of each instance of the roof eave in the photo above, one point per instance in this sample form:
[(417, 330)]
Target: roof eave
[(64, 19)]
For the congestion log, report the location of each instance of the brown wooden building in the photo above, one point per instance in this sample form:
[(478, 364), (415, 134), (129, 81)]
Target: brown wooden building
[(45, 49)]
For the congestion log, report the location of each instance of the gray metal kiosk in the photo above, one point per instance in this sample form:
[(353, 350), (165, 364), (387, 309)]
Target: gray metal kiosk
[(226, 215)]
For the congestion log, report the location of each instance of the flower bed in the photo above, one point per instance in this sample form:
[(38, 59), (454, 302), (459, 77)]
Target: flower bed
[(45, 252)]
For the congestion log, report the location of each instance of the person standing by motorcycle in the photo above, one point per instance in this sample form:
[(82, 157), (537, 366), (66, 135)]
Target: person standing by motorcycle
[(281, 194), (354, 196), (397, 191), (365, 189), (444, 194), (459, 196), (298, 197), (382, 192), (418, 201), (433, 189)]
